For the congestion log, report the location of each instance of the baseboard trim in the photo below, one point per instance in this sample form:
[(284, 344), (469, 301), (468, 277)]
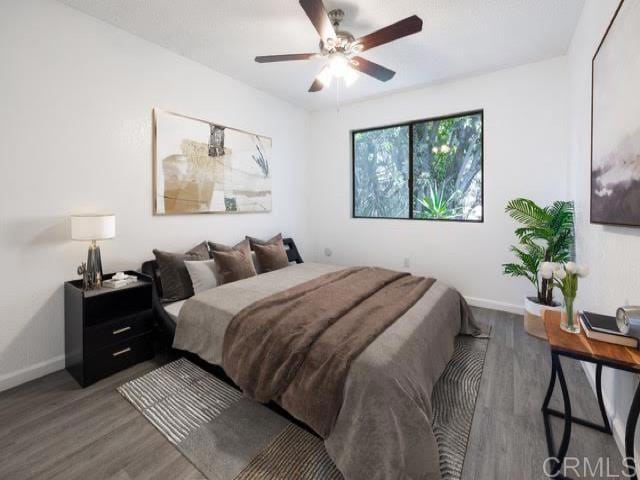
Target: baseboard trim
[(24, 375), (494, 305)]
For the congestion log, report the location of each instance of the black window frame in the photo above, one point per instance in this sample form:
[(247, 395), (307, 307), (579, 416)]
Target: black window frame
[(411, 125)]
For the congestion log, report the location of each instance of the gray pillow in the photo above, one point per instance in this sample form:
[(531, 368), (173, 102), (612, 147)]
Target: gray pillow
[(202, 273), (174, 277)]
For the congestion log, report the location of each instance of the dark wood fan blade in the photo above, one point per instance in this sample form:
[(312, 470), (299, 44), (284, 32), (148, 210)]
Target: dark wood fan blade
[(284, 58), (318, 15), (316, 86), (408, 26), (372, 69)]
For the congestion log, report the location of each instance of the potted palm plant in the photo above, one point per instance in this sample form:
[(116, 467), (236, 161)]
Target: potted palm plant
[(546, 234)]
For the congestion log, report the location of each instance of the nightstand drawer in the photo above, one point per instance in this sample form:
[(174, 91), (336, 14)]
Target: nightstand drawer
[(103, 305), (119, 330), (104, 362)]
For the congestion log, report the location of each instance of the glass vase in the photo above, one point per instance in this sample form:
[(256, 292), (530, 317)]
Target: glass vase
[(569, 318)]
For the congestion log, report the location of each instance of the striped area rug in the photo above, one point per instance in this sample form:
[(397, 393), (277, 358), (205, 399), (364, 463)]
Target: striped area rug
[(295, 453), (179, 397), (229, 437), (454, 401)]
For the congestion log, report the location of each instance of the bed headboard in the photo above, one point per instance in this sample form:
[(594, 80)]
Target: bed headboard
[(292, 251)]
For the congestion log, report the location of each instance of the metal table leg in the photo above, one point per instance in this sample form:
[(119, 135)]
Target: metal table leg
[(545, 408), (559, 455), (604, 428), (556, 371), (630, 433), (566, 435), (605, 419)]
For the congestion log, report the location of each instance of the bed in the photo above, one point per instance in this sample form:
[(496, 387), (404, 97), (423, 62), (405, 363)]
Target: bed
[(383, 428)]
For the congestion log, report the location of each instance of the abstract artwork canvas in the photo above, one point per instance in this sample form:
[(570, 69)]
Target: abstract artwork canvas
[(203, 167), (615, 134)]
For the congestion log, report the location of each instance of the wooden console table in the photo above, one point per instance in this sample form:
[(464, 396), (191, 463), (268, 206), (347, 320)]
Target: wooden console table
[(602, 354)]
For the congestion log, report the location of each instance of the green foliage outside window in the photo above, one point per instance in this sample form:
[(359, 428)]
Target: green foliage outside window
[(446, 164), (382, 173)]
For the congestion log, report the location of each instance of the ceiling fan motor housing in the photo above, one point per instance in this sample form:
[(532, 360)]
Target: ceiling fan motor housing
[(336, 16), (343, 40)]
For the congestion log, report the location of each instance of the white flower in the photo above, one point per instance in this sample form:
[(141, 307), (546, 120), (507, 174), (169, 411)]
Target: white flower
[(571, 267), (553, 265), (434, 149), (560, 274), (583, 271), (547, 274), (546, 270), (445, 148)]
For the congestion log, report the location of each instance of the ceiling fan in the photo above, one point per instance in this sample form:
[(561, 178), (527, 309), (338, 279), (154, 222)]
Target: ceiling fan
[(342, 50)]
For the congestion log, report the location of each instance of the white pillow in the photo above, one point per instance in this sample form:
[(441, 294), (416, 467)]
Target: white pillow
[(202, 273), (256, 265)]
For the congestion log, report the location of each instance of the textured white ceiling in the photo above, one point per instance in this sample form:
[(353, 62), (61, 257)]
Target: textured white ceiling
[(459, 38)]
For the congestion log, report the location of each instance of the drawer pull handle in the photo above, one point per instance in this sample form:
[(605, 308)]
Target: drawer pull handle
[(121, 330), (120, 352)]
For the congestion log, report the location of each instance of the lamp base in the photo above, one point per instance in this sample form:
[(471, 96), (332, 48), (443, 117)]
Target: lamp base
[(94, 267)]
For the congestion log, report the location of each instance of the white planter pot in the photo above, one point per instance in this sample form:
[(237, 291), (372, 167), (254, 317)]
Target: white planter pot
[(533, 324)]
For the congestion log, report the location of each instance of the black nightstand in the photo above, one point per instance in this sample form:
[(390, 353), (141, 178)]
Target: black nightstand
[(107, 330)]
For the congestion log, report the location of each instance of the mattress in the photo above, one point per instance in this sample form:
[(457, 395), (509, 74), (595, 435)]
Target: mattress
[(173, 309)]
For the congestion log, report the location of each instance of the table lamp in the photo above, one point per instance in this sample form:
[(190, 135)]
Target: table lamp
[(92, 228)]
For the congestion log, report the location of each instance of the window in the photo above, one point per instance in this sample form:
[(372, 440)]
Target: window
[(424, 170)]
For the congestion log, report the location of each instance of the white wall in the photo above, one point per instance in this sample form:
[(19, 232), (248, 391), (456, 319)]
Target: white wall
[(526, 150), (613, 253), (75, 136)]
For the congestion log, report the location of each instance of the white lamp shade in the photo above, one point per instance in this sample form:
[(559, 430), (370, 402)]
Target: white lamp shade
[(93, 227)]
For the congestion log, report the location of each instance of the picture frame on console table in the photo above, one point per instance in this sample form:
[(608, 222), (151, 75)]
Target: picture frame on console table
[(615, 123)]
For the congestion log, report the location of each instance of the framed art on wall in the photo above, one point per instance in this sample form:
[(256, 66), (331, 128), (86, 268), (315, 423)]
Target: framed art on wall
[(203, 167), (615, 121)]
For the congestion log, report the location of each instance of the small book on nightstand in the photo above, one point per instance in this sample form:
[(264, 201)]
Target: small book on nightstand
[(605, 329), (119, 283)]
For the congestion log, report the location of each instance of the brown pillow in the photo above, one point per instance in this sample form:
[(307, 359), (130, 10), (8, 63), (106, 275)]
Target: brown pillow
[(256, 241), (174, 277), (270, 254), (233, 263), (220, 247)]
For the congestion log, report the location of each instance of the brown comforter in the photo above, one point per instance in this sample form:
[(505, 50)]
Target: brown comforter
[(296, 346)]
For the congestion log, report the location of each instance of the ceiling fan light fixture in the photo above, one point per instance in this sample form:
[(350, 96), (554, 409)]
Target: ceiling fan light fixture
[(325, 76), (350, 77), (356, 48), (338, 64)]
